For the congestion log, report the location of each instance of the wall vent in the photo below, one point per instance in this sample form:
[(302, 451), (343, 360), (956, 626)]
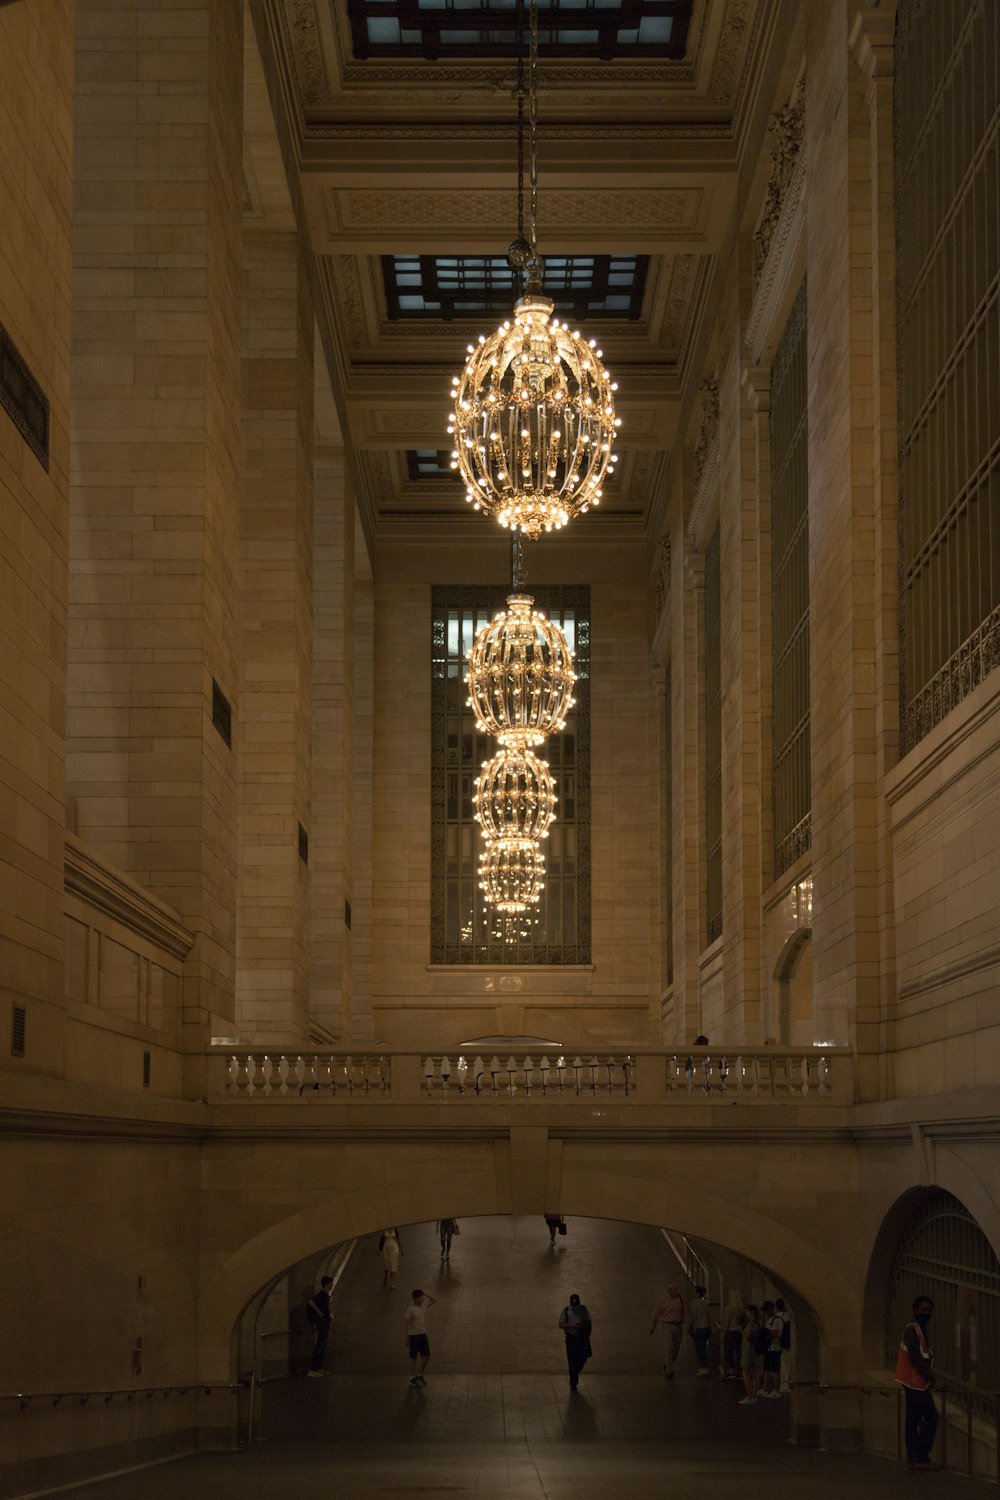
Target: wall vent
[(303, 845), (18, 1030), (222, 713), (147, 1069), (23, 399)]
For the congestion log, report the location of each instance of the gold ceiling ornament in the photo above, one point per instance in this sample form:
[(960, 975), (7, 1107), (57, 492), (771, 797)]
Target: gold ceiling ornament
[(515, 797), (520, 676), (510, 873), (533, 417)]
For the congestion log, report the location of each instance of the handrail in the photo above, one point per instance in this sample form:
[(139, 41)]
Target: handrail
[(83, 1398), (643, 1075)]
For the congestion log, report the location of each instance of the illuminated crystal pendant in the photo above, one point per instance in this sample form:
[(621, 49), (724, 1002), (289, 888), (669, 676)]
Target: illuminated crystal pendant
[(534, 421), (510, 873), (515, 797), (520, 676)]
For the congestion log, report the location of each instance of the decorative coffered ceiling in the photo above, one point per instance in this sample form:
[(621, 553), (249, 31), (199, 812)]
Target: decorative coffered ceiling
[(410, 156)]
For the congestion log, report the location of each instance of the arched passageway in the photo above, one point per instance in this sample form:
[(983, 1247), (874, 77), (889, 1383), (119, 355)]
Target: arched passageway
[(498, 1361)]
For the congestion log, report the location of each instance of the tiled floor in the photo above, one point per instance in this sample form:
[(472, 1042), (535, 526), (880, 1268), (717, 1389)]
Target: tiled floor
[(496, 1419)]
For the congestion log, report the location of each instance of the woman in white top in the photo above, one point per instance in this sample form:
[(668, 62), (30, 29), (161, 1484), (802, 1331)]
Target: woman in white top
[(390, 1248)]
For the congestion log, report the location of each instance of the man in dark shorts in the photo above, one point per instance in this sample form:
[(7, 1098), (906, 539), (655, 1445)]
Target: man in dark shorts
[(415, 1328), (771, 1356)]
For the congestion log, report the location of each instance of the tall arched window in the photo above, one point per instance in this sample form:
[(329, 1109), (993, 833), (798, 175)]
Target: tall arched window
[(947, 92), (942, 1253)]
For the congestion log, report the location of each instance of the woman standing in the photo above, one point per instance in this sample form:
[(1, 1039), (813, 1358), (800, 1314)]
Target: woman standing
[(750, 1355), (733, 1320), (390, 1248)]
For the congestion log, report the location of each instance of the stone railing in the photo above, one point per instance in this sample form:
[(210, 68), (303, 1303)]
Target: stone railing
[(746, 1075)]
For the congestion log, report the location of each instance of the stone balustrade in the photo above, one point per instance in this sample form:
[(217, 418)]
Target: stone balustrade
[(745, 1075)]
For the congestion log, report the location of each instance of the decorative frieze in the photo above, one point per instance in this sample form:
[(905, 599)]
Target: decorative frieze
[(706, 459), (788, 128)]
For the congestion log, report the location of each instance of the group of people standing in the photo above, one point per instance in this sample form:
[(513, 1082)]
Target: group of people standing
[(756, 1341)]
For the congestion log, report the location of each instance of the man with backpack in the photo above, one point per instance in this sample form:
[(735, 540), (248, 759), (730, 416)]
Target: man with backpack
[(319, 1317)]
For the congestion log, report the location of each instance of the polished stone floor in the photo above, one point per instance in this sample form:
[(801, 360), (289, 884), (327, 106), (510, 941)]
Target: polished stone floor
[(496, 1420)]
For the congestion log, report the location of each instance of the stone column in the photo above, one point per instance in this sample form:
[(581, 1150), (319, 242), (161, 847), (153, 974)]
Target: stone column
[(272, 963), (740, 592), (36, 129), (333, 748), (872, 39), (687, 688), (757, 398), (155, 482), (846, 858), (362, 1015)]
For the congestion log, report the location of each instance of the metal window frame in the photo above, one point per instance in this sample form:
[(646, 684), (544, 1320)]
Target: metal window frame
[(481, 286), (945, 144)]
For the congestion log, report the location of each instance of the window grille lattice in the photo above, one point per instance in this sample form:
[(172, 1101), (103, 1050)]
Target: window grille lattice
[(713, 741), (790, 776), (943, 1254), (464, 929), (947, 92), (668, 825)]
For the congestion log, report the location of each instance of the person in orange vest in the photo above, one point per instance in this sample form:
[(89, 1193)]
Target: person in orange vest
[(914, 1374)]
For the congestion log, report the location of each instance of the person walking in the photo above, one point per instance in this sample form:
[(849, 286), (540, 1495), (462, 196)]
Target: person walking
[(750, 1355), (447, 1228), (915, 1375), (319, 1317), (574, 1320), (733, 1319), (390, 1248), (700, 1327), (415, 1332), (771, 1356), (669, 1312), (787, 1356), (556, 1225)]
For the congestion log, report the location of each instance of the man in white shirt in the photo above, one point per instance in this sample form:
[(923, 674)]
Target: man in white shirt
[(415, 1329), (669, 1315)]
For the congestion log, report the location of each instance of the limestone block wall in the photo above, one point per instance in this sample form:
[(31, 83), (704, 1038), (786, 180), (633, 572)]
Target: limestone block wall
[(276, 642), (614, 999), (36, 149), (156, 320), (944, 805)]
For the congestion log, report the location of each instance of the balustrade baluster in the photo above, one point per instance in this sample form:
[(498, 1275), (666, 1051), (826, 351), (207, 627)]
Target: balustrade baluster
[(260, 1082), (823, 1073), (529, 1068), (445, 1074), (741, 1076), (609, 1068), (561, 1072), (628, 1075), (543, 1072), (429, 1075), (233, 1075), (478, 1069), (593, 1065), (463, 1072), (577, 1068), (511, 1076)]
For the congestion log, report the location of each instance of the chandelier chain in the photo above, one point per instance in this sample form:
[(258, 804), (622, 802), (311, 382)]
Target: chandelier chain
[(533, 124), (520, 119)]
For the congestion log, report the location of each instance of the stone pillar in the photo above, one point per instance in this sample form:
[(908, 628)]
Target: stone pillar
[(362, 1016), (687, 688), (740, 592), (156, 370), (757, 399), (36, 128), (846, 861), (872, 38), (333, 748), (272, 963)]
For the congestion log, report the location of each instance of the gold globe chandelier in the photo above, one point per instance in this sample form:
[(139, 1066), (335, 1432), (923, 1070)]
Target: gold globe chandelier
[(533, 421), (520, 682)]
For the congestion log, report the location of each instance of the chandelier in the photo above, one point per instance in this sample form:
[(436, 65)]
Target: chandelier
[(520, 682), (533, 420)]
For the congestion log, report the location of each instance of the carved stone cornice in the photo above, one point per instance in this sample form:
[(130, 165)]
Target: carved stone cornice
[(788, 127), (872, 39), (756, 382), (663, 576), (108, 890), (783, 244)]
